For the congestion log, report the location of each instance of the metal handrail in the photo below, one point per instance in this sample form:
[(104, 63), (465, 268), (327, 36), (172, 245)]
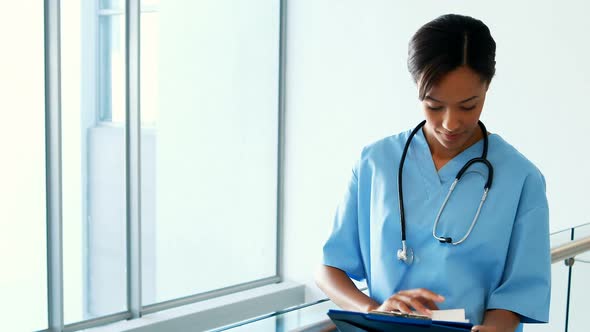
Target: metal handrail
[(570, 249)]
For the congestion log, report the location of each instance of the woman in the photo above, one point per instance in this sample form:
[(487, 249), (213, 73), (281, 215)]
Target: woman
[(490, 258)]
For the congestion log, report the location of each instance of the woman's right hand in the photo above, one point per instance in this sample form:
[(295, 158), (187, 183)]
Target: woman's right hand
[(421, 300)]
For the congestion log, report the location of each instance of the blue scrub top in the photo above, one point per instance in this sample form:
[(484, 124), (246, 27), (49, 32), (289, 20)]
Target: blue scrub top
[(504, 264)]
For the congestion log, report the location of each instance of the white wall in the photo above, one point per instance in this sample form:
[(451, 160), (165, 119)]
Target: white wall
[(348, 85), (23, 298)]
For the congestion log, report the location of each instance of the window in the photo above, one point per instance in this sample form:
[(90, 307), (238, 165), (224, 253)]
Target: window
[(209, 136), (210, 80)]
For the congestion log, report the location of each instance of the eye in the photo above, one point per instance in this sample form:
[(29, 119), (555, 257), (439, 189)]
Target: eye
[(468, 108), (434, 108)]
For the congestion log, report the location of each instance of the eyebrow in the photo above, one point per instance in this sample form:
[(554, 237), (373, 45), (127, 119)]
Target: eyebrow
[(461, 102)]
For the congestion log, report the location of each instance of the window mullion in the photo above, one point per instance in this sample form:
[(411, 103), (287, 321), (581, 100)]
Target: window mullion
[(53, 168), (133, 165), (281, 139)]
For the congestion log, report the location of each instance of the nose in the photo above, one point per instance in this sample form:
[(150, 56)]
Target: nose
[(451, 121)]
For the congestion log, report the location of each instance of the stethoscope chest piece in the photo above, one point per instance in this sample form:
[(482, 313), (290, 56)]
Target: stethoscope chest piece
[(405, 254)]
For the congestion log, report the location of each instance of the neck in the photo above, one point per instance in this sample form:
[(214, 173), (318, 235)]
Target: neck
[(440, 154)]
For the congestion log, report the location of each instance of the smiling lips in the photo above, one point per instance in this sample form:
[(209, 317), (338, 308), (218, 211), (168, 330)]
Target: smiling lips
[(451, 137)]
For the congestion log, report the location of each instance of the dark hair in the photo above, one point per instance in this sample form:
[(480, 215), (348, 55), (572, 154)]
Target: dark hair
[(446, 43)]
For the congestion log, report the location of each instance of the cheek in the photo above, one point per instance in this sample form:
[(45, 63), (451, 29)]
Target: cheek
[(474, 117), (434, 121)]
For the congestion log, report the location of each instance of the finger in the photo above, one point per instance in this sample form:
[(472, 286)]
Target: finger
[(414, 303), (400, 303), (391, 304), (425, 293), (428, 294), (430, 304), (388, 305), (401, 306), (420, 307)]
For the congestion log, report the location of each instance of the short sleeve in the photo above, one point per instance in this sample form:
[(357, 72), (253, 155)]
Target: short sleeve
[(342, 249), (525, 288)]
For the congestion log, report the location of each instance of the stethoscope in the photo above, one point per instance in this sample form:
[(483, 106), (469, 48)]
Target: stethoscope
[(406, 254)]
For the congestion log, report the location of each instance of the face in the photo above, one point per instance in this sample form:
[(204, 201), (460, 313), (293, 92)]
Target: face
[(452, 109)]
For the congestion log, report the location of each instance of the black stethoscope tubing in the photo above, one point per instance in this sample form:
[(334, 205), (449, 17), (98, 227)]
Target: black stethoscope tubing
[(482, 159)]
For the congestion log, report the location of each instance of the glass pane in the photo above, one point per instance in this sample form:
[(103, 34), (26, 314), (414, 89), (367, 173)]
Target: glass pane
[(209, 82), (559, 280), (112, 4), (303, 318), (93, 165), (561, 237), (23, 255), (120, 4), (149, 106), (580, 292), (111, 68)]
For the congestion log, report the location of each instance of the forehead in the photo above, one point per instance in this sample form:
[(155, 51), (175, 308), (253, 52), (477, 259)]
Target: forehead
[(458, 85)]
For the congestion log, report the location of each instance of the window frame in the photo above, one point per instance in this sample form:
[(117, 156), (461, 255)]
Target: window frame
[(91, 96)]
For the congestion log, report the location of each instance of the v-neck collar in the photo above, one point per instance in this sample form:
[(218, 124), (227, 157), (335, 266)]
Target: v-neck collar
[(420, 151)]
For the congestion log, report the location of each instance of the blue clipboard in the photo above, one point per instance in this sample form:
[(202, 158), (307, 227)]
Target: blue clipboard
[(351, 321)]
